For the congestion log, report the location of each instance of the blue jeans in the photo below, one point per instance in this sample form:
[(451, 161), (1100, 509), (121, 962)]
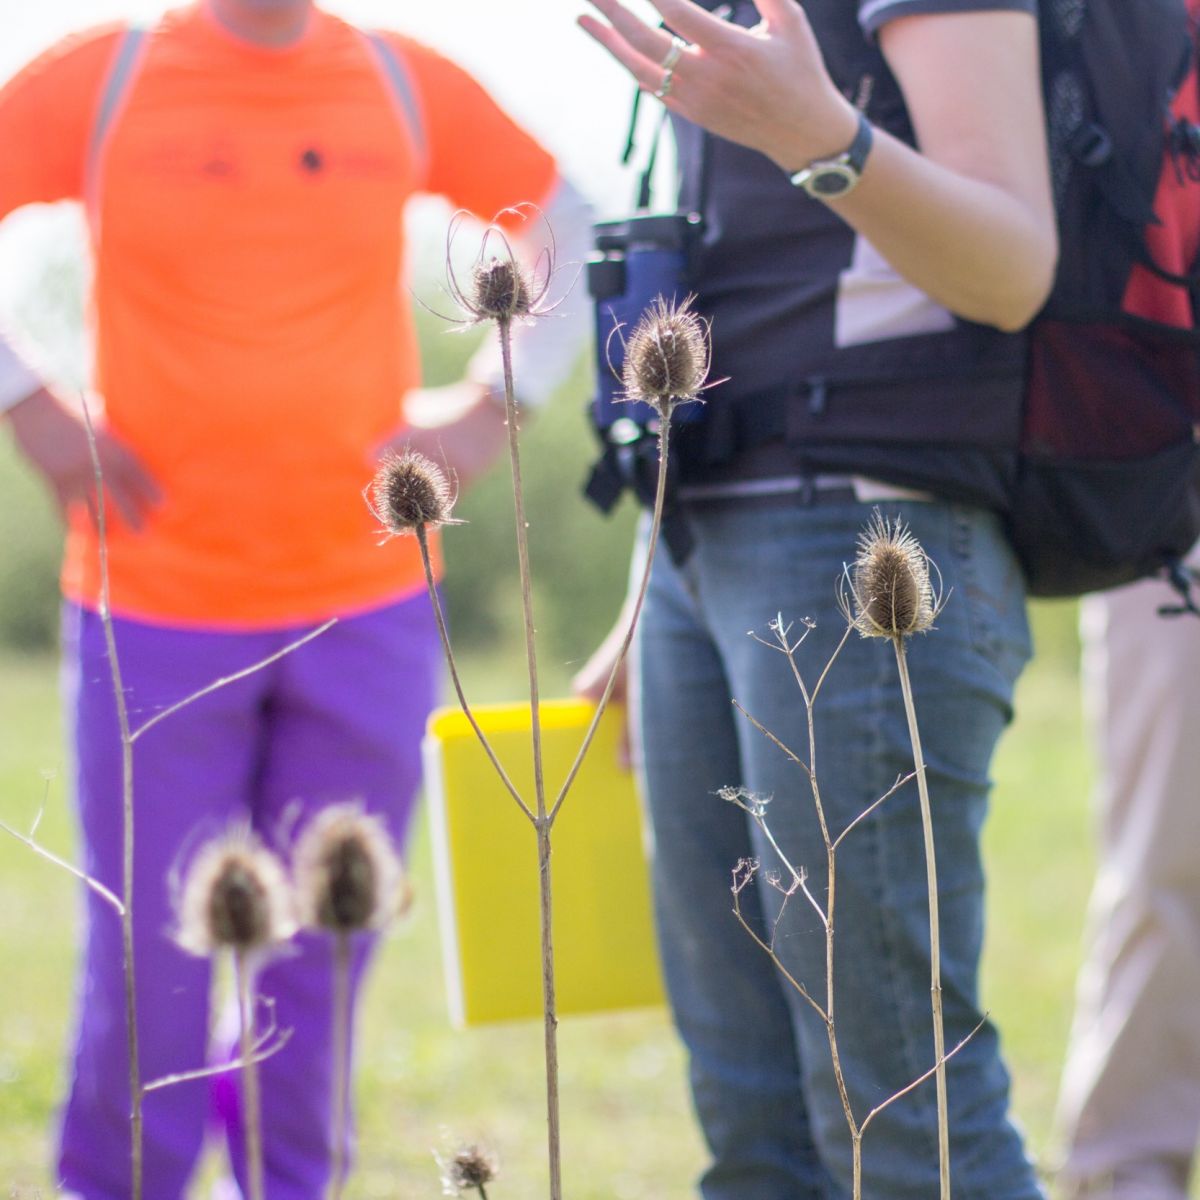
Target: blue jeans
[(760, 1061)]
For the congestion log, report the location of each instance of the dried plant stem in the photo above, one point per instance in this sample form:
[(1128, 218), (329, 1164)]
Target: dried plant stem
[(127, 828), (341, 1061), (251, 1103), (856, 1133), (107, 896), (935, 946), (456, 679), (660, 493), (544, 819)]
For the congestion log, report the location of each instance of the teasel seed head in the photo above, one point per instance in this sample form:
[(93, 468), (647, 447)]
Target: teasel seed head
[(893, 593), (499, 287), (347, 874), (410, 491), (500, 290), (666, 356), (235, 896), (469, 1167)]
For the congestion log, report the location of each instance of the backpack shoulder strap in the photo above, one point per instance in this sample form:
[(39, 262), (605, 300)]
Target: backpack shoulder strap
[(401, 89), (117, 83)]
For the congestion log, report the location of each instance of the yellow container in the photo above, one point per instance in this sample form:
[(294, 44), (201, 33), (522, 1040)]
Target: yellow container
[(486, 868)]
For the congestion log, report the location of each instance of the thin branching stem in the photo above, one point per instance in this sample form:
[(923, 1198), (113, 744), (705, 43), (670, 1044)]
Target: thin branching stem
[(773, 739), (108, 897), (935, 946), (266, 1045), (217, 684), (660, 492), (127, 829), (920, 1079), (456, 680)]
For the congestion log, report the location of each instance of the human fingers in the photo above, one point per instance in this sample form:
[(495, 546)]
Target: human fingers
[(647, 72), (701, 27), (133, 490)]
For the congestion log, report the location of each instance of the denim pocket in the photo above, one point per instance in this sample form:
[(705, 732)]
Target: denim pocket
[(992, 590)]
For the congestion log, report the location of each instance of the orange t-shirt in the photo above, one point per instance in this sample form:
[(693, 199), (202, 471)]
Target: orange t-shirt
[(253, 334)]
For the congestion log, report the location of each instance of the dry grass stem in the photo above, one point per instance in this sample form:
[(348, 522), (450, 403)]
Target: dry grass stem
[(892, 595), (127, 822)]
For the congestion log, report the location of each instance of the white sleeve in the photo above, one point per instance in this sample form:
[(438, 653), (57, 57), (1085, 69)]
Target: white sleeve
[(546, 349), (18, 380)]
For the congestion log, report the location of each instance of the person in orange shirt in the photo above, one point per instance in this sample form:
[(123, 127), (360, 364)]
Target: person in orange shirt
[(244, 167)]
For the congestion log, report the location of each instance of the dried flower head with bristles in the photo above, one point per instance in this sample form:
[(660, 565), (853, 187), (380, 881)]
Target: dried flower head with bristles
[(346, 871), (666, 356), (499, 287), (500, 290), (234, 896), (892, 590), (469, 1167), (410, 491)]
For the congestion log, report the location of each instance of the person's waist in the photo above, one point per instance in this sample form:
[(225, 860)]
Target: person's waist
[(770, 470)]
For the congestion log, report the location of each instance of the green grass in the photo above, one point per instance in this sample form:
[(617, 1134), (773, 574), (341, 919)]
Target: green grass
[(627, 1132)]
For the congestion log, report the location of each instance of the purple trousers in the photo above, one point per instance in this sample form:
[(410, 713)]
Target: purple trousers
[(339, 719)]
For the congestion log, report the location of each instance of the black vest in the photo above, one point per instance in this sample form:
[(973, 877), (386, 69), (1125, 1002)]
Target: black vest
[(825, 350)]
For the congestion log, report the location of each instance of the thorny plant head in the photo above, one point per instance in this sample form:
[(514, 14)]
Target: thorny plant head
[(468, 1167), (234, 896), (667, 356), (346, 871), (498, 287), (892, 590), (409, 492)]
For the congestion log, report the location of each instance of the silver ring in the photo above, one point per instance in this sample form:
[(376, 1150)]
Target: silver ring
[(664, 88), (677, 47)]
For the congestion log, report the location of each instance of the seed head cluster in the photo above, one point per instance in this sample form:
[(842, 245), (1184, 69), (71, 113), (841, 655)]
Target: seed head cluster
[(410, 491), (347, 874), (893, 594), (469, 1167), (666, 356), (500, 290), (235, 897)]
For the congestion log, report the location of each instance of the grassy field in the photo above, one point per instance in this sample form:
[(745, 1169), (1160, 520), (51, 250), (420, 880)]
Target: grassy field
[(422, 1087)]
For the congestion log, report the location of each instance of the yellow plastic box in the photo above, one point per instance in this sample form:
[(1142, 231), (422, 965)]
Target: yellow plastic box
[(486, 869)]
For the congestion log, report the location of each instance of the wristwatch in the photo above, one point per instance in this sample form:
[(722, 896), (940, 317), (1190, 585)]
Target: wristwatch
[(829, 178)]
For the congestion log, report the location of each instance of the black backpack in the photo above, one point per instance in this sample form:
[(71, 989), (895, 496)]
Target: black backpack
[(1108, 484)]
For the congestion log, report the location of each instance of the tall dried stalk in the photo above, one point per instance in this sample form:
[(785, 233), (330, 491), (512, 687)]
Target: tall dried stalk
[(892, 595), (127, 824), (129, 736), (407, 497), (251, 1100), (878, 602)]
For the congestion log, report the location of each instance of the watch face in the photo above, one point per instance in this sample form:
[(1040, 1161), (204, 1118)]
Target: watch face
[(832, 180)]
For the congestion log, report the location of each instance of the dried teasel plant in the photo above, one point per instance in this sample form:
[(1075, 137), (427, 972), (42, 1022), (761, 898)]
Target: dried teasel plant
[(792, 883), (667, 356), (501, 293), (469, 1168), (892, 591), (236, 897), (348, 880), (497, 286), (409, 494)]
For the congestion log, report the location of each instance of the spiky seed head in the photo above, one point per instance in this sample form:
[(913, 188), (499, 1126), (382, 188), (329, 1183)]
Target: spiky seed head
[(666, 356), (347, 873), (235, 896), (469, 1167), (410, 491), (500, 290), (893, 591)]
